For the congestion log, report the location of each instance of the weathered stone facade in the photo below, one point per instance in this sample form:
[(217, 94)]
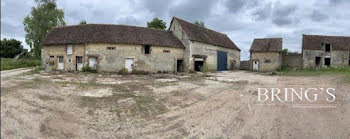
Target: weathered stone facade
[(208, 51), (114, 60), (337, 58), (325, 51), (268, 61)]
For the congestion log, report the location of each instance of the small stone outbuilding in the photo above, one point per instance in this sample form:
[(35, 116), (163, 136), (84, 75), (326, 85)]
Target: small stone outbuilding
[(266, 54), (325, 51)]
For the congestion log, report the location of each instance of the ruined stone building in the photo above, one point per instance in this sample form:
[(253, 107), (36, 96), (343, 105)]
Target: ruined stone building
[(325, 51), (266, 54), (184, 47)]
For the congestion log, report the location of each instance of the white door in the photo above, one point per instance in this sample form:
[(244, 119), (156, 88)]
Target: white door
[(93, 62), (79, 61), (60, 63), (255, 65), (129, 64)]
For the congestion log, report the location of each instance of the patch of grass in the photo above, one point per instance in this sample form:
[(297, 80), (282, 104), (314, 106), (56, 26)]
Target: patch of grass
[(9, 63), (312, 72)]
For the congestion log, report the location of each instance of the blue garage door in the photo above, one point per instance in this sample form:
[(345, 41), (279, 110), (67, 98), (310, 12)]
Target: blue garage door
[(222, 60)]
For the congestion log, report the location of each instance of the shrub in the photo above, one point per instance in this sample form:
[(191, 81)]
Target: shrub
[(140, 72), (123, 71), (37, 69), (88, 69), (8, 63), (204, 68)]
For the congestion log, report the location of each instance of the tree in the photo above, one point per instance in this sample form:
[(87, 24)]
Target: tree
[(285, 51), (82, 22), (10, 48), (39, 22), (157, 24), (199, 23)]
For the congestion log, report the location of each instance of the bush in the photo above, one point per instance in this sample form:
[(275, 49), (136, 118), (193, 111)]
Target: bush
[(140, 72), (8, 63), (204, 68), (88, 69), (123, 71), (37, 69)]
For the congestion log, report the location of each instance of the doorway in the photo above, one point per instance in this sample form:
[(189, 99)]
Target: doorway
[(179, 66), (221, 60), (327, 62), (60, 65), (129, 64), (318, 61), (255, 65), (93, 63), (198, 63), (79, 63)]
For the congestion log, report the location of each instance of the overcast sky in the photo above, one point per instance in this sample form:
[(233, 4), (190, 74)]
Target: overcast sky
[(241, 20)]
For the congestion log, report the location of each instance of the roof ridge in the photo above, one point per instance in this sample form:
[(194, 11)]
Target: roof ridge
[(325, 35), (111, 25), (199, 26)]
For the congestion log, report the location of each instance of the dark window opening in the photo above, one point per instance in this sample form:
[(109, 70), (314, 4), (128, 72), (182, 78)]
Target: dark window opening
[(318, 61), (328, 47), (147, 49), (110, 48), (179, 65), (327, 61), (349, 58), (52, 60), (60, 59), (166, 51), (268, 61)]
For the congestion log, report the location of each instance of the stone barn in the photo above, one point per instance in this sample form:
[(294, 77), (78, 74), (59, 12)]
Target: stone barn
[(266, 54), (205, 46), (111, 48), (325, 51)]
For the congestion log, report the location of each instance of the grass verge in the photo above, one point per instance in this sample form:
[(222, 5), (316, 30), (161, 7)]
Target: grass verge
[(9, 63)]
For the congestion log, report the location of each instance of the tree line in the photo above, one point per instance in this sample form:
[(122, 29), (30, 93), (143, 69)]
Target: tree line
[(41, 20)]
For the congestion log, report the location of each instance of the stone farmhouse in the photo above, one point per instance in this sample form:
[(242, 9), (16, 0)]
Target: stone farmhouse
[(325, 51), (111, 48), (266, 54)]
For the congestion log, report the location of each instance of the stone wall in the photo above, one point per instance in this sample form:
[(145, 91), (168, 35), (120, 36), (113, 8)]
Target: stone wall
[(268, 61), (114, 60), (198, 48), (182, 36), (294, 60), (338, 58)]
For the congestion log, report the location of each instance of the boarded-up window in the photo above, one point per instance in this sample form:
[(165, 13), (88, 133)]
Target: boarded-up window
[(69, 49)]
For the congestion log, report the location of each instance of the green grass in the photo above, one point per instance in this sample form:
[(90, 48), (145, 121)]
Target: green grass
[(312, 72), (8, 63)]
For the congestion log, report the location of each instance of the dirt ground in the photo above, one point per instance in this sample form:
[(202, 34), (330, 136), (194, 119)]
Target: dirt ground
[(213, 105)]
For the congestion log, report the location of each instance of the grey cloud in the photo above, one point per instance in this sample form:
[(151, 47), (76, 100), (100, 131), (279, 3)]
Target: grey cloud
[(157, 7), (264, 12), (236, 5), (192, 10), (282, 14), (318, 16)]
